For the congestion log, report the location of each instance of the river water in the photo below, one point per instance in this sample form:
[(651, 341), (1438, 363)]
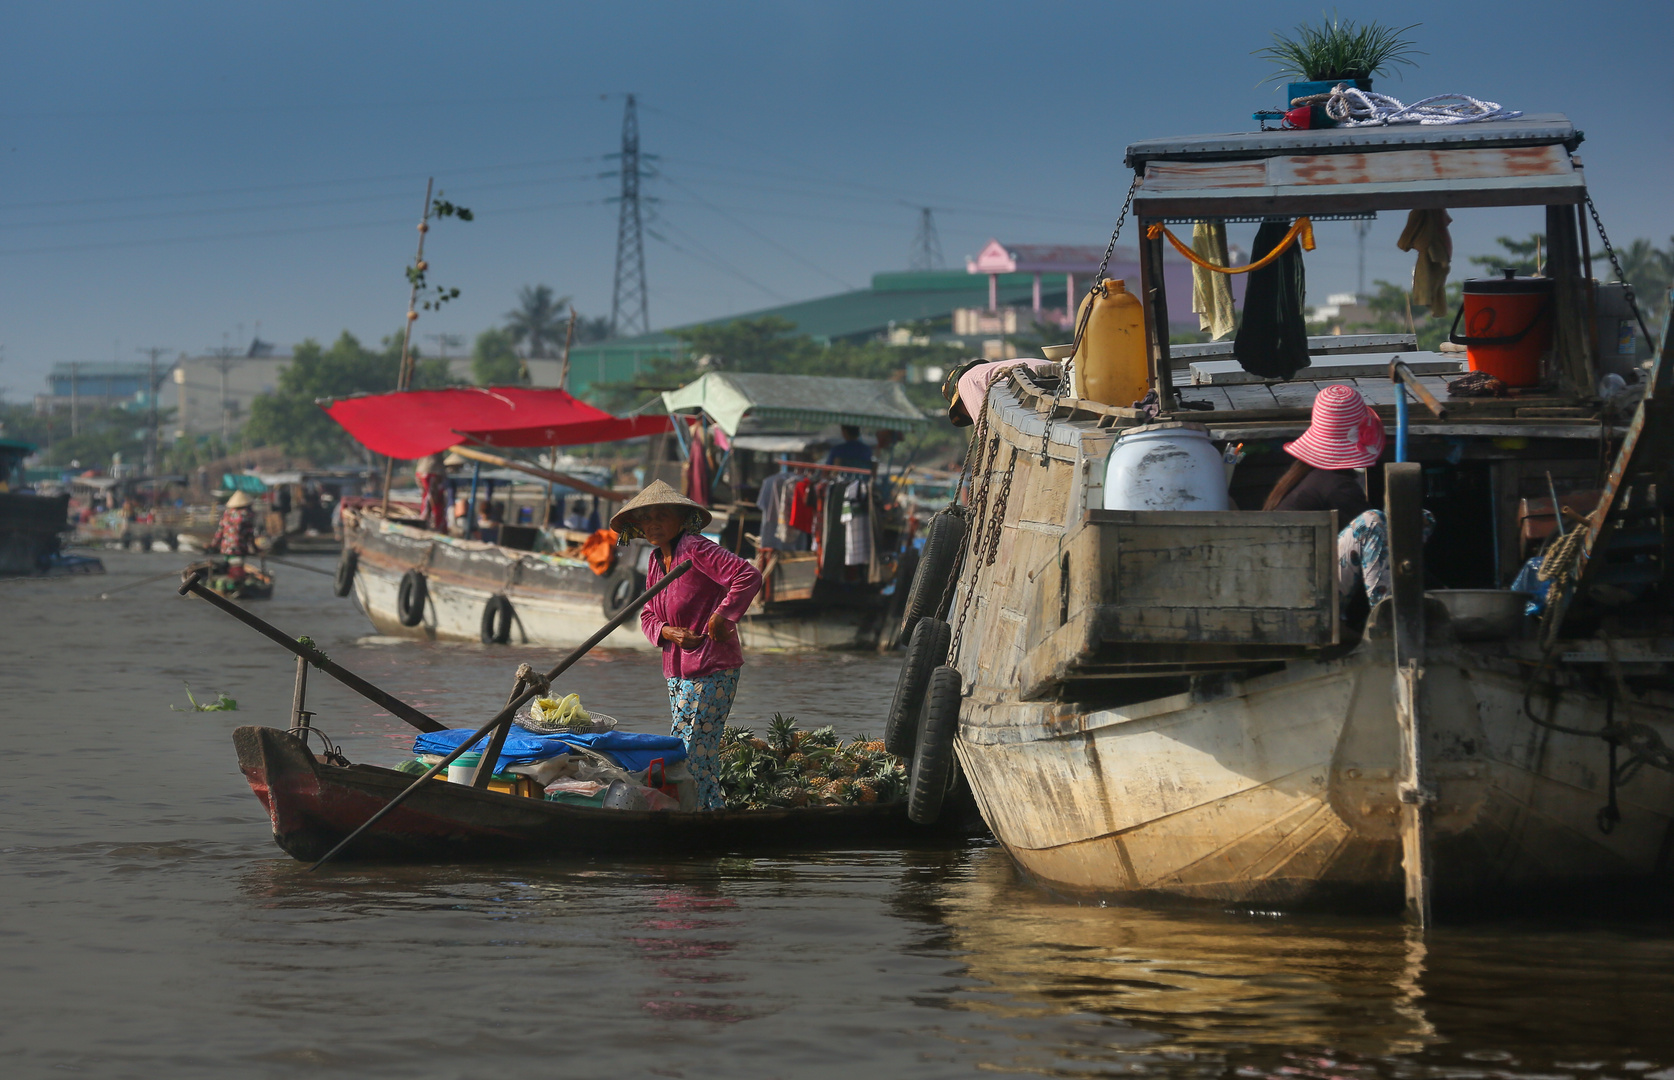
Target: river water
[(149, 927)]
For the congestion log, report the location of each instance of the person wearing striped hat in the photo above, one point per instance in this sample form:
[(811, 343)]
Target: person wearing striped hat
[(1344, 435)]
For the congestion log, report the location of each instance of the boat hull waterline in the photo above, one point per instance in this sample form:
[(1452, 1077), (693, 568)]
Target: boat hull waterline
[(313, 806)]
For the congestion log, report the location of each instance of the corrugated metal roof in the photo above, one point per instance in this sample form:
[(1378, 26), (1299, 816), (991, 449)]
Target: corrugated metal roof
[(728, 397), (1537, 129)]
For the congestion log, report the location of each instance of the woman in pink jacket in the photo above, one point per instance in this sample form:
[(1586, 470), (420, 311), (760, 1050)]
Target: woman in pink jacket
[(693, 620)]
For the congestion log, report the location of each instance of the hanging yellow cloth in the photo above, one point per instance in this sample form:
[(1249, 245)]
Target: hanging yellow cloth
[(1211, 293), (1426, 233), (1303, 229)]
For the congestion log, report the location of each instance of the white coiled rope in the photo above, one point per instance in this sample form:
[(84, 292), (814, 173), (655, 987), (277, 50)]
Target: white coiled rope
[(1352, 107)]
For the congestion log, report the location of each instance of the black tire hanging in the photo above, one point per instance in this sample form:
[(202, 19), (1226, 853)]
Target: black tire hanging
[(496, 620), (933, 763), (409, 602), (906, 568), (623, 584), (347, 564), (936, 566), (925, 652)]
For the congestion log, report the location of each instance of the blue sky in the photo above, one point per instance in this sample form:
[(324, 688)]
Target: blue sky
[(175, 173)]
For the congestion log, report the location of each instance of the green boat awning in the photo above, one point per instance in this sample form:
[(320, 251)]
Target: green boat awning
[(730, 397)]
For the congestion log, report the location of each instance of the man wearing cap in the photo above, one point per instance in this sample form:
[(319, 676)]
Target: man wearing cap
[(966, 386), (693, 621)]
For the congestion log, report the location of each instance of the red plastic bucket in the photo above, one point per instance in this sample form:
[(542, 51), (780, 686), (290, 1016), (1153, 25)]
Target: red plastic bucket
[(1508, 325)]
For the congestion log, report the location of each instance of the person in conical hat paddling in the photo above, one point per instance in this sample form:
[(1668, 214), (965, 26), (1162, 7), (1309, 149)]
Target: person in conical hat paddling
[(1344, 434), (235, 534), (693, 620)]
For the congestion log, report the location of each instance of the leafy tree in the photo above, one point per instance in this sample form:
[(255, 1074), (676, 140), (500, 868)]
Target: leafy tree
[(494, 360), (1651, 272), (539, 321), (764, 344), (289, 418), (103, 431), (590, 330), (1517, 253)]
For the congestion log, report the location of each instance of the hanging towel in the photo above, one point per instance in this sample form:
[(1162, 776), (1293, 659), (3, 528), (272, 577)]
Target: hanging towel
[(772, 504), (1273, 341), (1426, 233), (1211, 292)]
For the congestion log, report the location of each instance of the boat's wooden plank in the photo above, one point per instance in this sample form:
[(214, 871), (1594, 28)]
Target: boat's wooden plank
[(1257, 396)]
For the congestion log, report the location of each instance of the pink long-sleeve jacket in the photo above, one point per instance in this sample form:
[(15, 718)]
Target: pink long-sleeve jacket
[(718, 581)]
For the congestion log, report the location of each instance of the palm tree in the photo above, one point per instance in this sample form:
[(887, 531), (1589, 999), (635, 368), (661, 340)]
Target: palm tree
[(538, 321)]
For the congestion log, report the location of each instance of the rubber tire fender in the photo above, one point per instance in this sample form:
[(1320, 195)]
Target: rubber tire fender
[(496, 620), (927, 649), (347, 564), (936, 564), (621, 585), (409, 602), (933, 763), (906, 568)]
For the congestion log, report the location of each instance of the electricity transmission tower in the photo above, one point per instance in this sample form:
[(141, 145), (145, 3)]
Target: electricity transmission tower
[(154, 380), (926, 252), (629, 310)]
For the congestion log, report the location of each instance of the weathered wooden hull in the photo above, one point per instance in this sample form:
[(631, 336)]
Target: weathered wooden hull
[(1272, 778), (313, 806), (1282, 789), (554, 602), (31, 530)]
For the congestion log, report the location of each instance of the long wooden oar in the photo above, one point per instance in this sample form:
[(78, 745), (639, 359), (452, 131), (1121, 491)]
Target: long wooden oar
[(193, 584), (504, 716), (299, 566), (1403, 512), (132, 585)]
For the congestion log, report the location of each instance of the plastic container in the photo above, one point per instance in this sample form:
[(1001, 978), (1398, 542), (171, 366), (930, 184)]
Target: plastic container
[(1618, 332), (1169, 466), (1111, 366), (463, 769), (1508, 326)]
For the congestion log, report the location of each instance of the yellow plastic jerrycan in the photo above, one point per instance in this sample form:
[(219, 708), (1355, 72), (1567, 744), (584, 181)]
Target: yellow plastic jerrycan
[(1111, 366)]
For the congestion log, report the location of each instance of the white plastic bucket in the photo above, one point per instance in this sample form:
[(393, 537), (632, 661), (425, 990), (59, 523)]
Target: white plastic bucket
[(463, 769), (1169, 466)]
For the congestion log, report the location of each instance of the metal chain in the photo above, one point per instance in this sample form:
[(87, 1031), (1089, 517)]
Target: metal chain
[(997, 517), (1066, 370), (974, 539), (1616, 264)]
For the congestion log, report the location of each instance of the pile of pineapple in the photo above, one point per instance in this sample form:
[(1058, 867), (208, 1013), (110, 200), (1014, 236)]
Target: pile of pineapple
[(805, 768)]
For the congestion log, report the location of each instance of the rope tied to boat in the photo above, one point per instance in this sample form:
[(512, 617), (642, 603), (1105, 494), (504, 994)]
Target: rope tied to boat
[(1302, 229), (528, 677), (1350, 106)]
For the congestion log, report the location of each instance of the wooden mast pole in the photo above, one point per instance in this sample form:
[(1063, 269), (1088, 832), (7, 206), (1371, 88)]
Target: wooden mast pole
[(404, 374), (1403, 500)]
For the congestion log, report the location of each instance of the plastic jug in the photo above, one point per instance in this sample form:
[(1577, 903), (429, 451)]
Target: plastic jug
[(1111, 366)]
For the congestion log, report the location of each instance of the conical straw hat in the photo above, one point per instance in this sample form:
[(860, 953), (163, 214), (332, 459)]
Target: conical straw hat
[(658, 493), (238, 499)]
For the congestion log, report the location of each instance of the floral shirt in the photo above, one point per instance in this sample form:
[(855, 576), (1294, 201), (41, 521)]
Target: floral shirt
[(718, 581), (236, 534)]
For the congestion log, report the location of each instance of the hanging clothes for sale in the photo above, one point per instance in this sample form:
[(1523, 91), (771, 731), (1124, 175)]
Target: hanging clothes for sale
[(1272, 341), (857, 523), (803, 505), (775, 501), (697, 471)]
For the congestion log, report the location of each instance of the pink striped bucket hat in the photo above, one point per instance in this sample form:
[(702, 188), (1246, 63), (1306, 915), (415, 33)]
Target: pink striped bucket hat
[(1345, 432)]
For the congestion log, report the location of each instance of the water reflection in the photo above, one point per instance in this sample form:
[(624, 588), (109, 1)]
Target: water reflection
[(1267, 995)]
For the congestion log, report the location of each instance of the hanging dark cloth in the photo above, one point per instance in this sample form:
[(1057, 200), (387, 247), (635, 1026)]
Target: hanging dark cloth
[(1272, 341)]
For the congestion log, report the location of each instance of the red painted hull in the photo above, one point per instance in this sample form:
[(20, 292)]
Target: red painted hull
[(313, 806)]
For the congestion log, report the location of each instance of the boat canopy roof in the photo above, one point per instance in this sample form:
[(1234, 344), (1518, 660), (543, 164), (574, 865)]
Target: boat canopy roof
[(731, 397), (410, 424), (1357, 171)]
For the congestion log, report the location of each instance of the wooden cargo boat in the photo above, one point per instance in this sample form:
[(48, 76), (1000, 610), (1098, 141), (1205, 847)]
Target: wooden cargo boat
[(313, 806), (1167, 704)]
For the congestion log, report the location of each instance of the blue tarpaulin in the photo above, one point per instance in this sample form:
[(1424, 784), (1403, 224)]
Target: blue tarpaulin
[(632, 750)]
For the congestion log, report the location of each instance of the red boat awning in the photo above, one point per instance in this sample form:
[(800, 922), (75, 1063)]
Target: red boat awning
[(413, 423)]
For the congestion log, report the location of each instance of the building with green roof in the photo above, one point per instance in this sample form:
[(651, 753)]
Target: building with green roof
[(858, 316)]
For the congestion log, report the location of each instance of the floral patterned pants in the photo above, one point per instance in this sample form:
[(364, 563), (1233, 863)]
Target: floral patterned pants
[(700, 708), (1363, 553)]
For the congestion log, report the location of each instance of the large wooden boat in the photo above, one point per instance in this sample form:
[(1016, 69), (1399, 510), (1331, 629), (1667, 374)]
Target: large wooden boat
[(314, 805), (553, 599), (1168, 703)]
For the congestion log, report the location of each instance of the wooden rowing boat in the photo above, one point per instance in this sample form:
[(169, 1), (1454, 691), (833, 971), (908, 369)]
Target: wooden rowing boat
[(313, 805)]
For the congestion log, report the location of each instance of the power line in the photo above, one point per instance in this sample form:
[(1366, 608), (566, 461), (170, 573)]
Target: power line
[(763, 237), (926, 252), (630, 310)]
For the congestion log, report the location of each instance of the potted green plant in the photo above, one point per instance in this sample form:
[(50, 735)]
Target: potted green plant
[(1336, 51)]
